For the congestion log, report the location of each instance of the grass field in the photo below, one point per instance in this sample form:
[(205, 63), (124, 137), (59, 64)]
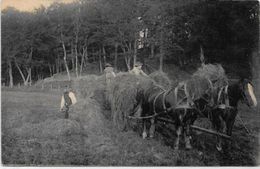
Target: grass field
[(34, 132)]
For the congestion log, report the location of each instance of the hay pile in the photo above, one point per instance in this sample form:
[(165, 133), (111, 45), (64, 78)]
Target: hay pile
[(124, 95), (87, 85), (198, 87), (215, 73), (206, 82), (89, 113), (162, 79)]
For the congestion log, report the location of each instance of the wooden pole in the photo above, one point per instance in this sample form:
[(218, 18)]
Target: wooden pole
[(197, 128), (166, 120), (210, 132)]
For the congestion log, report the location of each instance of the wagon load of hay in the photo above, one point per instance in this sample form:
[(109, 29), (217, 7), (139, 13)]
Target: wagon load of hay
[(198, 87), (204, 83), (87, 85), (162, 79), (215, 73), (125, 93)]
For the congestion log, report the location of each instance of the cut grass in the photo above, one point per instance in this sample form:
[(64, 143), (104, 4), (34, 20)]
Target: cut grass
[(35, 133)]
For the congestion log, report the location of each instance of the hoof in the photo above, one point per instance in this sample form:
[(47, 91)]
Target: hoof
[(176, 147), (144, 135), (188, 147), (219, 148), (151, 136)]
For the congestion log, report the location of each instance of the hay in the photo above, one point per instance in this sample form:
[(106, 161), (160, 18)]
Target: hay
[(162, 79), (124, 94), (89, 113), (87, 85), (49, 128), (198, 87), (215, 73), (205, 83)]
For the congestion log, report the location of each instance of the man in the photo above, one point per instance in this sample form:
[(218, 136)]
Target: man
[(137, 70), (110, 75), (68, 98), (109, 72)]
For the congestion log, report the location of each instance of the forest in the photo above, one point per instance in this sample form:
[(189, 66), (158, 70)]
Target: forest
[(71, 37)]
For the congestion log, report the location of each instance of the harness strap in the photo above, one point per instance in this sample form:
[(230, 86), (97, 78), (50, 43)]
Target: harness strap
[(164, 96), (176, 93), (178, 106), (220, 104), (210, 83), (219, 94), (186, 93), (212, 89), (226, 95), (155, 101), (159, 86), (165, 93)]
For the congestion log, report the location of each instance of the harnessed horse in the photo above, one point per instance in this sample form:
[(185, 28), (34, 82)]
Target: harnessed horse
[(224, 111), (174, 104)]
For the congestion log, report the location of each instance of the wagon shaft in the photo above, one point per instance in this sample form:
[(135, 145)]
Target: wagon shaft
[(166, 120), (210, 132)]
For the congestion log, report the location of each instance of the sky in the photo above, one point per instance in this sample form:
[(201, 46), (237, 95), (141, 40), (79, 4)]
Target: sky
[(28, 5)]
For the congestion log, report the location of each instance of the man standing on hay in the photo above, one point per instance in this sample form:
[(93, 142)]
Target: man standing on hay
[(137, 70), (110, 75), (68, 99), (109, 72)]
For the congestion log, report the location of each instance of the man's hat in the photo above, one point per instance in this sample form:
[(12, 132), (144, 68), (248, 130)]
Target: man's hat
[(108, 65), (138, 64)]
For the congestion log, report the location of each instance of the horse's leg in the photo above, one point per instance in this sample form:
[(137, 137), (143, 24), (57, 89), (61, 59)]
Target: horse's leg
[(179, 126), (219, 143), (144, 134), (188, 120), (178, 132), (187, 135), (218, 124), (231, 116), (152, 128), (230, 123)]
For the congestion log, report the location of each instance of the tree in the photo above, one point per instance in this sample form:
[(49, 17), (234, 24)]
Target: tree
[(10, 36)]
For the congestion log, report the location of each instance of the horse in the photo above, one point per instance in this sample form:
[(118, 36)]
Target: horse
[(158, 102), (175, 104), (224, 111)]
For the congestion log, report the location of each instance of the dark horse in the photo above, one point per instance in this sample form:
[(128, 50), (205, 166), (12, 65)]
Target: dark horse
[(158, 102), (224, 111), (184, 109)]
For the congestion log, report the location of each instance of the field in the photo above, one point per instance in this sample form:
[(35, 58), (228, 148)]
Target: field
[(34, 132)]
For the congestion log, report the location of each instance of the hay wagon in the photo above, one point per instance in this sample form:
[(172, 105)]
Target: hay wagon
[(182, 105), (129, 85)]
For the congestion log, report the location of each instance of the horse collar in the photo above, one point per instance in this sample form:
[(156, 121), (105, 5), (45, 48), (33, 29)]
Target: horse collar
[(226, 103), (226, 96), (164, 93)]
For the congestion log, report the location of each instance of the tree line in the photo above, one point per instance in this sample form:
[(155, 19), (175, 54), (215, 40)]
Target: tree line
[(67, 37)]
